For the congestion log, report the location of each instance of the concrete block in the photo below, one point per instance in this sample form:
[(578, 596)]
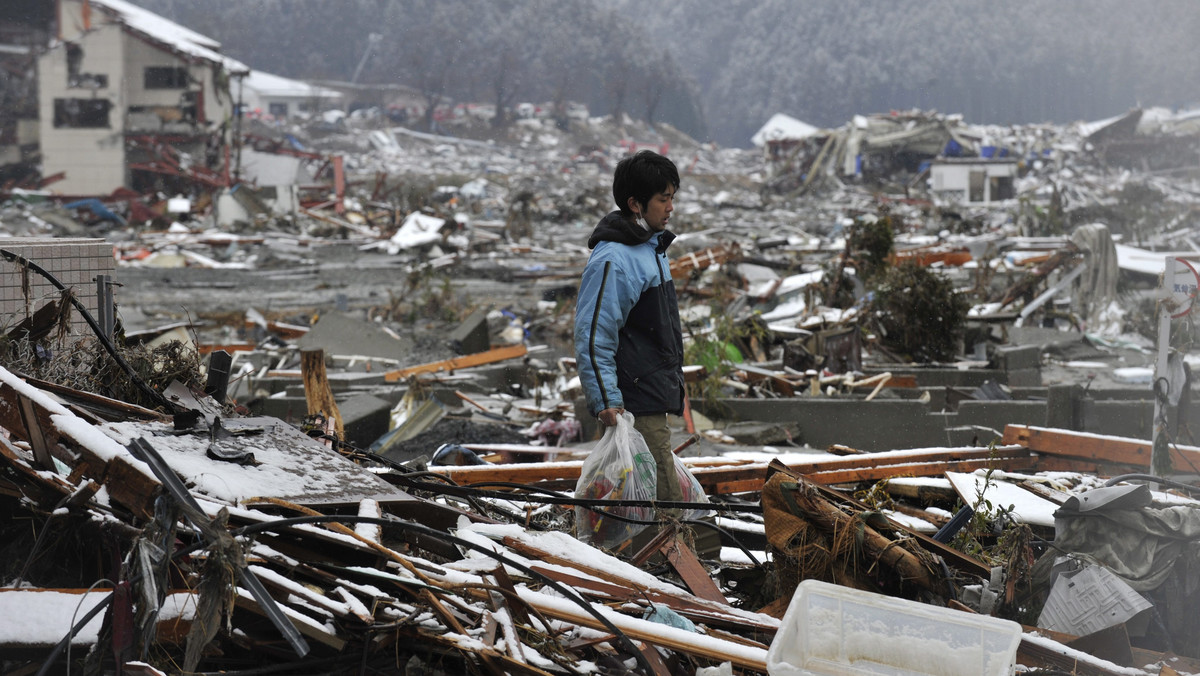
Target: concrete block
[(289, 409), (1024, 377), (753, 433), (1062, 406), (365, 418), (1014, 357), (471, 336)]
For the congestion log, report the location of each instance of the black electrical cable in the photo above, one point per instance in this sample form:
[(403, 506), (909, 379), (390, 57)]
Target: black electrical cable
[(596, 505), (555, 497), (108, 346), (75, 629)]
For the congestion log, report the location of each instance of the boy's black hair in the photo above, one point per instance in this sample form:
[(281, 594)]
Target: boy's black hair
[(641, 177)]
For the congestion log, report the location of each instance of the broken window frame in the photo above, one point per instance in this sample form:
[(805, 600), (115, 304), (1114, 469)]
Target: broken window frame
[(76, 113), (77, 79)]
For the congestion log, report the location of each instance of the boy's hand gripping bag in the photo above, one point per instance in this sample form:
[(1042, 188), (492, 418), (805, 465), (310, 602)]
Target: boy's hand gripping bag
[(620, 467)]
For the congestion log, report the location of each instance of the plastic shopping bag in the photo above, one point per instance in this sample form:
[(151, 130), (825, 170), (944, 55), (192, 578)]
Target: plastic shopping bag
[(620, 467), (692, 491)]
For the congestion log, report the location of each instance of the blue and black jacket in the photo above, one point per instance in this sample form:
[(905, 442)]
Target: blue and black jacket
[(628, 340)]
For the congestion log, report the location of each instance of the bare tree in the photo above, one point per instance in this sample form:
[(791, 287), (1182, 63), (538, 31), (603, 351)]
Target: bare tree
[(654, 85), (506, 79), (616, 84)]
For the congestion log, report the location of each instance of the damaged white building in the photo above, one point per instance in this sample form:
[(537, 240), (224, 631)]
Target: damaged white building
[(127, 98)]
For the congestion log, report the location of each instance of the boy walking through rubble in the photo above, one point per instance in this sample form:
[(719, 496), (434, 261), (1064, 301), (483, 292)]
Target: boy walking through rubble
[(628, 340)]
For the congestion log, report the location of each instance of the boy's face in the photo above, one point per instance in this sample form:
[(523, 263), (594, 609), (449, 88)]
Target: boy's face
[(658, 209)]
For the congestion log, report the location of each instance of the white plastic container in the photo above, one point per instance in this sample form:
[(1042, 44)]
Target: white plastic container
[(830, 630)]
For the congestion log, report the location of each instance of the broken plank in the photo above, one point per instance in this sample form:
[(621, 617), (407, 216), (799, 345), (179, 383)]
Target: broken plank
[(680, 640), (205, 348), (691, 571), (866, 467), (755, 374), (710, 613), (466, 361), (113, 409), (129, 484), (1100, 448), (654, 659), (1023, 505), (750, 476), (523, 473), (1036, 651), (917, 469), (303, 623), (922, 492)]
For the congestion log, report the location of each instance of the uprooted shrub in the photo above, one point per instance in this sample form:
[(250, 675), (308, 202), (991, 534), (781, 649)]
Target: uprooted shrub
[(85, 365), (918, 313)]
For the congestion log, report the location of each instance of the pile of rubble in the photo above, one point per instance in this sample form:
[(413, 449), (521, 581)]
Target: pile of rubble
[(369, 465)]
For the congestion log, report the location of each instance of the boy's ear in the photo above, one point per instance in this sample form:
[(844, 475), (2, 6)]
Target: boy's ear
[(633, 205)]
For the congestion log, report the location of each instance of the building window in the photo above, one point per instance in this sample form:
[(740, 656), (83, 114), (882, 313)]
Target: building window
[(165, 77), (1001, 188), (278, 110), (81, 113)]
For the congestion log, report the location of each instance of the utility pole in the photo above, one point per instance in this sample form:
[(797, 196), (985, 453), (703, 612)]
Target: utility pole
[(237, 126), (373, 41)]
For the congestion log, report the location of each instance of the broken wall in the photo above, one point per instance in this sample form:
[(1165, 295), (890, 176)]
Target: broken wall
[(81, 126), (167, 94)]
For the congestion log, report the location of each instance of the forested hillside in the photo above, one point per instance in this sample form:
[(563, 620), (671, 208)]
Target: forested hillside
[(719, 68), (1008, 62), (491, 51)]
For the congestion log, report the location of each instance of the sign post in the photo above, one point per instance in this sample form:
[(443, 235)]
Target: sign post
[(1180, 284)]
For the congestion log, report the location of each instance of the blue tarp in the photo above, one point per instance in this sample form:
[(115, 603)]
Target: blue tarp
[(97, 208)]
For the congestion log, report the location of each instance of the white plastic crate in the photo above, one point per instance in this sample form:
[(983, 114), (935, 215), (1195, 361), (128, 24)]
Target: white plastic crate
[(830, 630)]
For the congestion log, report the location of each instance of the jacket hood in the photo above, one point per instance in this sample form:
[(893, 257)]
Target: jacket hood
[(616, 228)]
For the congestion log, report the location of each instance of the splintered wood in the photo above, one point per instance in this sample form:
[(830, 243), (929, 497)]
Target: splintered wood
[(359, 584)]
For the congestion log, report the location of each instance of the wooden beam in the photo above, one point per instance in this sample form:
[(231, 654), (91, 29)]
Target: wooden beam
[(465, 361), (205, 348), (706, 612), (309, 629), (921, 469), (745, 477), (710, 647), (691, 571), (1097, 448), (39, 441)]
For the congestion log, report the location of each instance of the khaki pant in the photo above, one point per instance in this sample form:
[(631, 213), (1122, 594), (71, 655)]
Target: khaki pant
[(657, 433)]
